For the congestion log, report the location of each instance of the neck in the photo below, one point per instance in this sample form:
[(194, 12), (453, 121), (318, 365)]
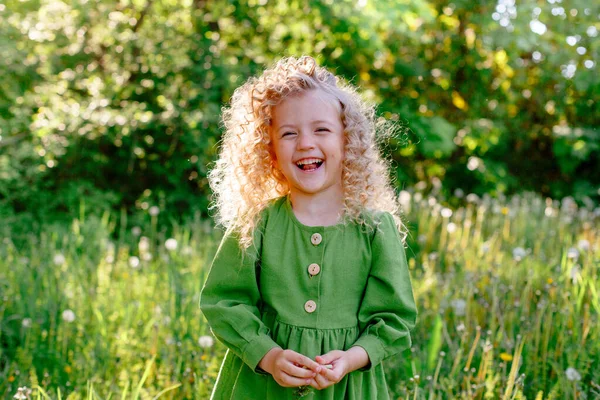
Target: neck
[(323, 208)]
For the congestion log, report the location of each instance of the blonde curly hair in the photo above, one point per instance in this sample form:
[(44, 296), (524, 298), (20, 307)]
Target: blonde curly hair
[(244, 180)]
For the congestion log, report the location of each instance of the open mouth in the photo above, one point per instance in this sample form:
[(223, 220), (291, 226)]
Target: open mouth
[(309, 164)]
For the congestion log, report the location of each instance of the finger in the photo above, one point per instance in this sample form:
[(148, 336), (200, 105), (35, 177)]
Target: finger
[(305, 361), (329, 374), (322, 381), (314, 384), (297, 371), (328, 358), (292, 381), (324, 359)]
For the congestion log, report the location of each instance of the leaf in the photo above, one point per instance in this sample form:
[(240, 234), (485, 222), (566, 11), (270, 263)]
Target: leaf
[(437, 137), (435, 343)]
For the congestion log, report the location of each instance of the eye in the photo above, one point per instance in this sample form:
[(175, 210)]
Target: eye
[(288, 134), (323, 130)]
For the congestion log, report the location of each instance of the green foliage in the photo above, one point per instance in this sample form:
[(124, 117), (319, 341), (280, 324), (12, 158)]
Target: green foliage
[(119, 103)]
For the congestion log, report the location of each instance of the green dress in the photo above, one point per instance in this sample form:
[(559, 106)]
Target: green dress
[(358, 294)]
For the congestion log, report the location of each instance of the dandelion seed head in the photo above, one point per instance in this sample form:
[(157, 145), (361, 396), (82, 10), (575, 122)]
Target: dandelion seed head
[(171, 244), (144, 244), (68, 316), (573, 374), (583, 245), (59, 259), (136, 231), (451, 227), (446, 212), (206, 341), (154, 211), (519, 253), (459, 306), (573, 253), (134, 262), (472, 198), (26, 323)]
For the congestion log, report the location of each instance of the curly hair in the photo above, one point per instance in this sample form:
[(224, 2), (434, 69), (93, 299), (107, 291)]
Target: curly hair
[(244, 179)]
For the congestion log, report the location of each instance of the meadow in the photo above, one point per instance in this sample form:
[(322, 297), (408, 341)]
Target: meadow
[(507, 292)]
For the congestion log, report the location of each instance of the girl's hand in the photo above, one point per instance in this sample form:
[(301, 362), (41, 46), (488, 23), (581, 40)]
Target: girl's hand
[(327, 377), (288, 368)]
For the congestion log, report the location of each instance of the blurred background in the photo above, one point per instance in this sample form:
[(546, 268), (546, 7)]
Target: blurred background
[(118, 103), (109, 122)]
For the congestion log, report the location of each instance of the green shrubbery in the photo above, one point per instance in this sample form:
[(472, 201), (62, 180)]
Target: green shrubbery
[(119, 103)]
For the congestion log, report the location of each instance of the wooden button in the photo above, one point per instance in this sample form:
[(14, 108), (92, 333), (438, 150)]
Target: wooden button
[(314, 269), (316, 239), (310, 306)]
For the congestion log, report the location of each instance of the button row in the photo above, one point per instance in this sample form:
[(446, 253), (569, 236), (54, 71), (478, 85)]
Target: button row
[(313, 269)]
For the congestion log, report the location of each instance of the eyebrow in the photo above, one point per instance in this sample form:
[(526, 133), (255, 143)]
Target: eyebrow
[(319, 121)]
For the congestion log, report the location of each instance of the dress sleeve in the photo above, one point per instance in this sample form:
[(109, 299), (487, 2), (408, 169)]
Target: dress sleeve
[(229, 301), (388, 311)]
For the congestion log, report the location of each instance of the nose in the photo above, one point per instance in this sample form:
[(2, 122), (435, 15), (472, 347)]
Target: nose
[(305, 141)]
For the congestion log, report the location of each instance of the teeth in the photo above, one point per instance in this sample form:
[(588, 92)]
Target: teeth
[(309, 161)]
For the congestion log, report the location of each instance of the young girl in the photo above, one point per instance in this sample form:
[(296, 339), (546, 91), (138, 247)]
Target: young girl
[(309, 288)]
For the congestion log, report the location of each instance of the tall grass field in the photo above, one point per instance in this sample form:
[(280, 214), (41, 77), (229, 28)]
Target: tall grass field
[(507, 292)]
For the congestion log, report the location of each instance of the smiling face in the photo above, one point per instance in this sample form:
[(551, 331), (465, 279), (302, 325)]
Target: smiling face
[(307, 139)]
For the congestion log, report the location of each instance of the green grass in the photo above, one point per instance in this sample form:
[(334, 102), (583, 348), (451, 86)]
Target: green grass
[(493, 323)]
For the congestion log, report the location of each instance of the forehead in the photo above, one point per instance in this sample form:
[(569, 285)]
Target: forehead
[(310, 105)]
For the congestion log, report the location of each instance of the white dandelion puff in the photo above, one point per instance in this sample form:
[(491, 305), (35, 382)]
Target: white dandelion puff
[(519, 253), (59, 259), (171, 244), (573, 253), (573, 374), (68, 316), (459, 306), (584, 245), (154, 211), (206, 341), (144, 244), (134, 262), (136, 231), (446, 212), (451, 227), (472, 198), (22, 393), (26, 323)]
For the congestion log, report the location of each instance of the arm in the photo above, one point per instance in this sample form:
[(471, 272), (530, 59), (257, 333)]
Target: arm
[(229, 301), (388, 312)]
